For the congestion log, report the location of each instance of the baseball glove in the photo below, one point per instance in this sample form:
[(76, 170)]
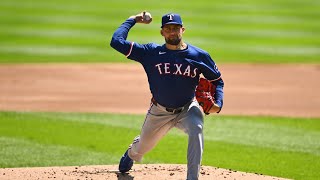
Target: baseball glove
[(205, 94)]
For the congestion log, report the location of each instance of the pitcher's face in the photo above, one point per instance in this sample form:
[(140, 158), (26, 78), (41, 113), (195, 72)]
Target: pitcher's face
[(172, 33)]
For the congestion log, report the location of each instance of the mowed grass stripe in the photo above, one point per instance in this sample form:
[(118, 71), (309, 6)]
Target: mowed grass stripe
[(50, 50), (26, 47), (249, 31), (53, 33), (9, 57), (253, 133), (268, 145), (264, 135), (93, 40), (243, 131), (19, 152), (284, 8), (89, 33), (272, 7), (299, 166), (300, 38), (62, 132), (244, 20)]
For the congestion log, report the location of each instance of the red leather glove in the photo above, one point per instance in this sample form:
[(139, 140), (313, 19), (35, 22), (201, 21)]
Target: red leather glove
[(205, 94)]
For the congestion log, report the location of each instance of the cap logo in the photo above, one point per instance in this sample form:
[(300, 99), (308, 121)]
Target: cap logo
[(170, 16)]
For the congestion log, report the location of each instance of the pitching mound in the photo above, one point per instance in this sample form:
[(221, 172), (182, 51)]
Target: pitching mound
[(139, 172)]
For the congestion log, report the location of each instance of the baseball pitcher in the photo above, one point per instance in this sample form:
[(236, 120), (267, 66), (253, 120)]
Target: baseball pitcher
[(179, 95)]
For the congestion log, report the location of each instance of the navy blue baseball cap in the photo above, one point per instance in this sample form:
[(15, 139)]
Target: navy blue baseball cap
[(171, 18)]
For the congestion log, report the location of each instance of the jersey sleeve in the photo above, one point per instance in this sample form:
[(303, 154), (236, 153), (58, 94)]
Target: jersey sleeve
[(209, 69), (138, 51), (211, 72), (131, 50)]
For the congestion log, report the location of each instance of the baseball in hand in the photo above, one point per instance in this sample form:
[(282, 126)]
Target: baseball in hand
[(147, 18)]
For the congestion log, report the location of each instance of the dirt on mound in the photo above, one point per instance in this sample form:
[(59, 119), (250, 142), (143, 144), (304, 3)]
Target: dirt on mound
[(139, 172)]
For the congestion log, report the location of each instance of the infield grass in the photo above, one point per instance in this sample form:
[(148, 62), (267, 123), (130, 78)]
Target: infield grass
[(284, 147), (264, 31)]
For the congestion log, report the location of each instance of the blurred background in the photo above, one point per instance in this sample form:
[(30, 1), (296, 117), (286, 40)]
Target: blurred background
[(233, 31)]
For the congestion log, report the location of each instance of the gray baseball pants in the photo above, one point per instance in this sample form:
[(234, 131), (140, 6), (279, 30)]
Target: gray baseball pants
[(159, 121)]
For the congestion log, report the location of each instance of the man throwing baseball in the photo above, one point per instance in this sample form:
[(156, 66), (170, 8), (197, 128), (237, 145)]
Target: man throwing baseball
[(173, 70)]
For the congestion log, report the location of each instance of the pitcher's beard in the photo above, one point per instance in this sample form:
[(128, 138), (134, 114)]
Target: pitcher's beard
[(174, 41)]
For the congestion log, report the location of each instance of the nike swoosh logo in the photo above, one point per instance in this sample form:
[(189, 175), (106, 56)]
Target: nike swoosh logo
[(160, 52)]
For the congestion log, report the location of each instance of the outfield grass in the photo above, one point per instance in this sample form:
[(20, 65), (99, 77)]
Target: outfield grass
[(265, 31), (284, 147)]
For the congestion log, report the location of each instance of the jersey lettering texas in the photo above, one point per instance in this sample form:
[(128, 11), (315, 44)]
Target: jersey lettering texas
[(176, 69)]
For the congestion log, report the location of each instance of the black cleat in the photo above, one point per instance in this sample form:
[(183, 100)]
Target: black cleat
[(126, 163)]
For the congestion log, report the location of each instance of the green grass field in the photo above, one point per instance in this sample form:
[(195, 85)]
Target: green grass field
[(265, 31), (285, 147)]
